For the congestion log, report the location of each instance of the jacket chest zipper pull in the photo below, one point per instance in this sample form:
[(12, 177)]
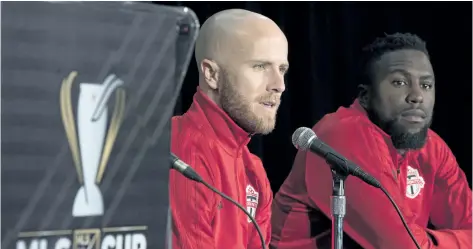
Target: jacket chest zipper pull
[(396, 173)]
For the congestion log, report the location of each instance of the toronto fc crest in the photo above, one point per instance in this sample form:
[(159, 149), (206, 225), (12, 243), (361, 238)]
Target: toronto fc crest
[(251, 201), (415, 183)]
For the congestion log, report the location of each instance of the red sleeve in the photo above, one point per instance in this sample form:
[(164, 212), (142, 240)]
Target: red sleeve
[(371, 219), (451, 214), (263, 218), (192, 205)]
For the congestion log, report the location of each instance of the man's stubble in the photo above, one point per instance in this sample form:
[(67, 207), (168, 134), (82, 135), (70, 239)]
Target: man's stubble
[(240, 109), (400, 137)]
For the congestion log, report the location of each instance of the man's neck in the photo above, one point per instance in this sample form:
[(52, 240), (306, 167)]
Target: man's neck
[(402, 152), (209, 92)]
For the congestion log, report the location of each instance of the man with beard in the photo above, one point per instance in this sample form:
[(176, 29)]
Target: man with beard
[(386, 132), (242, 59)]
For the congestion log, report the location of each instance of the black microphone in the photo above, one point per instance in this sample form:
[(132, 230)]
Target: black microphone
[(185, 169), (190, 173), (304, 138)]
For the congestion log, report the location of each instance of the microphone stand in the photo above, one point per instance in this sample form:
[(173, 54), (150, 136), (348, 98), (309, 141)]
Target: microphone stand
[(169, 230), (338, 207)]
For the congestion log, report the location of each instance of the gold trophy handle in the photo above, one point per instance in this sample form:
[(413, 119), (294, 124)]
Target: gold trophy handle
[(115, 124), (69, 122)]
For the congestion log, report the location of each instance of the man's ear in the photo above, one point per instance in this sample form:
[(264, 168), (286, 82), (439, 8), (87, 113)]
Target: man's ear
[(364, 92), (210, 71)]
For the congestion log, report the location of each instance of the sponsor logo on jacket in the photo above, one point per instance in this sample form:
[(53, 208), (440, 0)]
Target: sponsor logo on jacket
[(415, 183), (251, 201)]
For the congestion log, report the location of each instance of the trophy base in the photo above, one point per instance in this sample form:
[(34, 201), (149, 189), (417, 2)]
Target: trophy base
[(88, 202)]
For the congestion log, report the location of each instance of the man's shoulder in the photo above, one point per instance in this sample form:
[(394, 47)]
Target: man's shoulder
[(189, 141), (436, 148), (434, 140), (353, 136), (344, 123), (186, 128)]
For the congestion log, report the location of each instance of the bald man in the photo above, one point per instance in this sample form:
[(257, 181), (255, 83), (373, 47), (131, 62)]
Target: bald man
[(242, 59)]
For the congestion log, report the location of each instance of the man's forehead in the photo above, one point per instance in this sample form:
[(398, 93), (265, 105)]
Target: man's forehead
[(270, 49), (407, 60)]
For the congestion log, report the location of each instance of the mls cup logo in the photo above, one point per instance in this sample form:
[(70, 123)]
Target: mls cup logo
[(90, 147)]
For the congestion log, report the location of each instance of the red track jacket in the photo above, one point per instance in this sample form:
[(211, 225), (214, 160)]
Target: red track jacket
[(206, 138), (426, 185)]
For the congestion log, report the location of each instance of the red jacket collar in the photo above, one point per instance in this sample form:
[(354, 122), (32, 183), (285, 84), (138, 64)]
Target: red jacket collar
[(356, 106), (211, 118)]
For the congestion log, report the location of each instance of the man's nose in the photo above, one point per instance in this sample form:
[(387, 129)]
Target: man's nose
[(416, 95), (277, 83)]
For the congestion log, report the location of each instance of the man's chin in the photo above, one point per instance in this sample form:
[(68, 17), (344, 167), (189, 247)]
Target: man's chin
[(412, 132), (265, 124), (403, 137), (256, 123), (265, 131), (265, 127), (409, 138)]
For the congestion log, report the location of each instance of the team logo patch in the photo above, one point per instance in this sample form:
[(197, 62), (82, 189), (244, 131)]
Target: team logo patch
[(415, 183), (251, 201)]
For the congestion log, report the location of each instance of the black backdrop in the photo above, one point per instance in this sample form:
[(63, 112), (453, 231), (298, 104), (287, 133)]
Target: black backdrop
[(324, 41)]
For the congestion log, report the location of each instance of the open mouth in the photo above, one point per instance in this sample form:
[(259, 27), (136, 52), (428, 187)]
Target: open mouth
[(268, 104)]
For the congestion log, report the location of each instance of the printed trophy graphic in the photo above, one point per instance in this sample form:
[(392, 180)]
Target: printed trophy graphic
[(92, 150)]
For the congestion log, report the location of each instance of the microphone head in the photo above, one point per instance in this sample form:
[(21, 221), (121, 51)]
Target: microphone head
[(302, 138)]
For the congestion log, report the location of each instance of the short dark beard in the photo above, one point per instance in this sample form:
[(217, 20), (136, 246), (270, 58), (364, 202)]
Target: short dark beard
[(401, 139)]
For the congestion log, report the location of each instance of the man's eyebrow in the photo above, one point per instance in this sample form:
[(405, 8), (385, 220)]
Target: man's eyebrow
[(285, 65), (399, 70), (427, 77), (267, 62)]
